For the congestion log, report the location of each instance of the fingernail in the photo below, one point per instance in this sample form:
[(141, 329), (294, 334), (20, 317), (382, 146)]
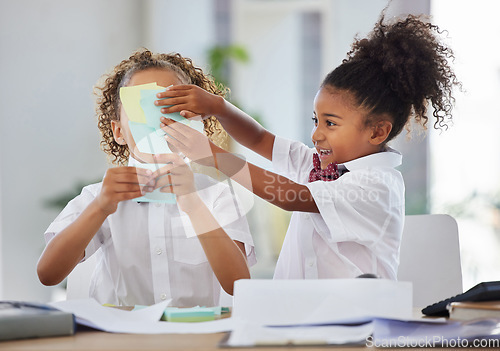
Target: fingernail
[(163, 110), (157, 102), (168, 88), (158, 95), (162, 125)]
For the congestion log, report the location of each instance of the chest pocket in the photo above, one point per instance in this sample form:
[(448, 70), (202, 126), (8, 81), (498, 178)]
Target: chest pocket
[(186, 246)]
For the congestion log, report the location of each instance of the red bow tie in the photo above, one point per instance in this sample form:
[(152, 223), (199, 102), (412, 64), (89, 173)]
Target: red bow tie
[(328, 174)]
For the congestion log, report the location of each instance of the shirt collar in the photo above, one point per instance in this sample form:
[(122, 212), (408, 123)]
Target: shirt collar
[(386, 158)]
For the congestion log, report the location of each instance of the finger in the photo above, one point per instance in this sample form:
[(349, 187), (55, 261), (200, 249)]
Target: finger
[(130, 169), (188, 114), (171, 101), (177, 130), (132, 178), (174, 108), (175, 90), (126, 188), (174, 145), (178, 140)]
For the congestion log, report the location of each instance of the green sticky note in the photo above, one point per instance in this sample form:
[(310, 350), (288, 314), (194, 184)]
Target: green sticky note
[(193, 314)]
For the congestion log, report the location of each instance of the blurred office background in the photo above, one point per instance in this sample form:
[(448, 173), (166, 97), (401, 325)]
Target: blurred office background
[(274, 54)]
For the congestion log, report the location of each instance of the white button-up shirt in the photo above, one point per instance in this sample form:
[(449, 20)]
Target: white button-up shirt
[(148, 252), (358, 229)]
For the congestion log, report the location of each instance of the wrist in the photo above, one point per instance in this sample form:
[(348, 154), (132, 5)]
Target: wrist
[(220, 108), (190, 203), (99, 211)]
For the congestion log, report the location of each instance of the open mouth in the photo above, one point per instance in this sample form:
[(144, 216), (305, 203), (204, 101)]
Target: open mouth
[(324, 152)]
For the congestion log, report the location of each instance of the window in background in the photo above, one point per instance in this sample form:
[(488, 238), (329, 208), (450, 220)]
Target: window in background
[(465, 159)]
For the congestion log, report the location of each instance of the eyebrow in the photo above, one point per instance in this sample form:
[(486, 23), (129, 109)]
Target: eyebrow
[(332, 115), (329, 115)]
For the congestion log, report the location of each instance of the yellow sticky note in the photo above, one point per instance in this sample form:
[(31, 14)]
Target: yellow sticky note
[(130, 98)]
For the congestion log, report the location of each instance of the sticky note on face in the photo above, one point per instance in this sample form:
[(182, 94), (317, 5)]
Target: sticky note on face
[(144, 118)]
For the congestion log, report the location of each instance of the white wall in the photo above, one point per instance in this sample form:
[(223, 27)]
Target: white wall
[(52, 53), (186, 27)]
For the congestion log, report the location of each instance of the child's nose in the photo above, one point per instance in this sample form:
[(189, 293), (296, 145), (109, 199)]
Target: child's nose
[(316, 134)]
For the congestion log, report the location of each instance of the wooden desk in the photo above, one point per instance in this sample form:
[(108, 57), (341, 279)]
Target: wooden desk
[(96, 340), (89, 339)]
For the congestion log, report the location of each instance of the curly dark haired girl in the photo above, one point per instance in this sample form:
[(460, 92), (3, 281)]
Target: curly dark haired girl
[(108, 101), (396, 71), (346, 193)]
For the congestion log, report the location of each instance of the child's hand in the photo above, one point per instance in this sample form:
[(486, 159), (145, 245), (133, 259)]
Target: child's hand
[(190, 101), (123, 183), (177, 178), (187, 141)]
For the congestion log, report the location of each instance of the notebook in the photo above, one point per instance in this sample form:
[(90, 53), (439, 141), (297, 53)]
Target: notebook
[(20, 320)]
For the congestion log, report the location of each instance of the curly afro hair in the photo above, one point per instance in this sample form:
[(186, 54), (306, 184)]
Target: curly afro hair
[(108, 101), (396, 71)]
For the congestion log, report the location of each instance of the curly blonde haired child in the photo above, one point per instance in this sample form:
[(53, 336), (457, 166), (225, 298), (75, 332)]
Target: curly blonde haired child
[(108, 101), (150, 251)]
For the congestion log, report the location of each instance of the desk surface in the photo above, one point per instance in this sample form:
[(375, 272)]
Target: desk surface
[(89, 339), (96, 340)]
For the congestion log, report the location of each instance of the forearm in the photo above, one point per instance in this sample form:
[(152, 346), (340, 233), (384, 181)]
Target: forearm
[(67, 248), (272, 187), (245, 130), (226, 259)]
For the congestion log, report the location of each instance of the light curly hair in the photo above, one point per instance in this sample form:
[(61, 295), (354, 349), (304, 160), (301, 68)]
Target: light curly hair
[(108, 101)]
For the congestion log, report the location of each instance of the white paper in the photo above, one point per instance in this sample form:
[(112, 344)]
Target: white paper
[(321, 301), (144, 321), (431, 333), (247, 334)]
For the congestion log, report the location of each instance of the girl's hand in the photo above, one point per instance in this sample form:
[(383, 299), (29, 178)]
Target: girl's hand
[(188, 141), (177, 178), (123, 183), (190, 101)]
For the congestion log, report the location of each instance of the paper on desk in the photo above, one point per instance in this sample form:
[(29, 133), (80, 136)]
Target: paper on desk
[(144, 321), (250, 334), (321, 301), (431, 333)]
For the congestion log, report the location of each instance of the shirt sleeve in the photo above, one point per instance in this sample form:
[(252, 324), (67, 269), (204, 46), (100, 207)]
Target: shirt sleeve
[(71, 212), (292, 159), (362, 206)]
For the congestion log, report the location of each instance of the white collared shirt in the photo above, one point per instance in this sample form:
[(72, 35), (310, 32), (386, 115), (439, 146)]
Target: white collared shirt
[(149, 251), (358, 229)]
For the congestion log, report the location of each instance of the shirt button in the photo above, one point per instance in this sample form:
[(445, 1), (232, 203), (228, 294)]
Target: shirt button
[(158, 251), (163, 296), (310, 264), (307, 216), (157, 204)]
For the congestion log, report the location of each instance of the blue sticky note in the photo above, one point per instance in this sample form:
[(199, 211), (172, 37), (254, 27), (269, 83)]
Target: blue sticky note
[(152, 112), (149, 140)]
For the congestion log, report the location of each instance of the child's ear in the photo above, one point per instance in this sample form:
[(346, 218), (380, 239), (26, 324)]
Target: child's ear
[(380, 132), (118, 132)]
